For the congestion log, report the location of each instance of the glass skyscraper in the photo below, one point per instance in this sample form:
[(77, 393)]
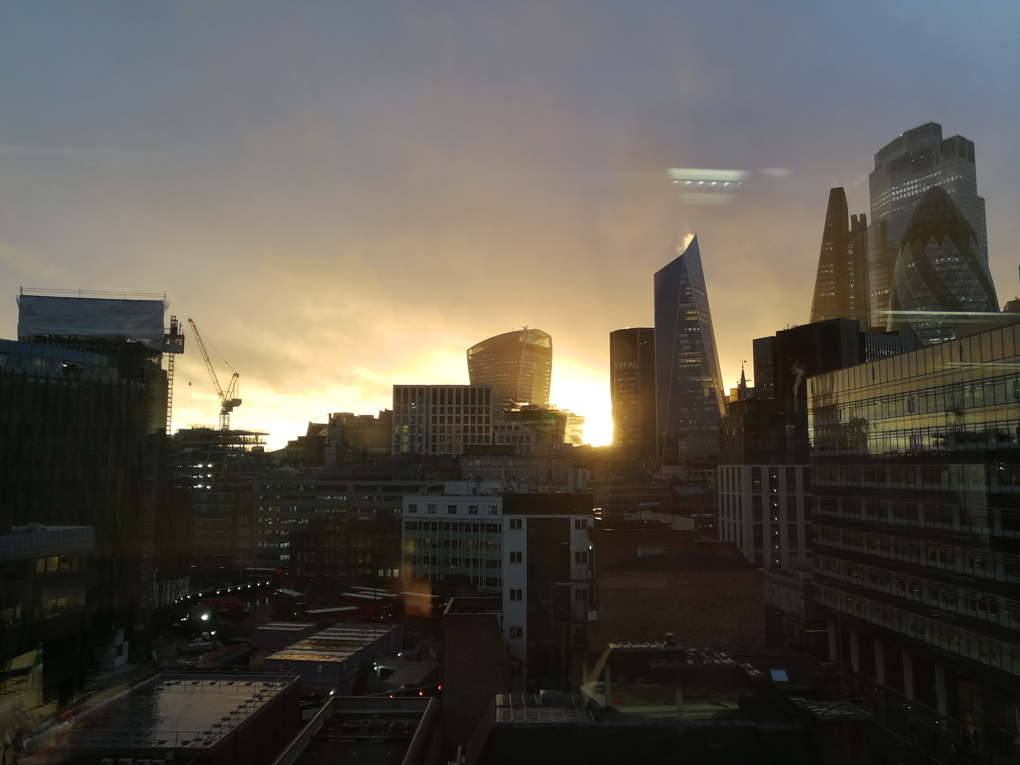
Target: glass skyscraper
[(518, 366), (689, 398), (632, 387), (904, 170), (941, 273)]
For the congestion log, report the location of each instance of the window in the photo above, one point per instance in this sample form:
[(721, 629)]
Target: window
[(472, 509), (432, 508), (516, 523), (412, 508), (581, 556), (516, 594), (517, 632), (517, 557), (580, 523), (581, 594), (493, 510), (451, 509)]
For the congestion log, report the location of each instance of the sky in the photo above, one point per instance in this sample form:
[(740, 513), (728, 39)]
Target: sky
[(347, 195)]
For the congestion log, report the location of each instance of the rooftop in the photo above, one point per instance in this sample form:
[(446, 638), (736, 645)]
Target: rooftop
[(174, 710), (334, 644), (366, 730)]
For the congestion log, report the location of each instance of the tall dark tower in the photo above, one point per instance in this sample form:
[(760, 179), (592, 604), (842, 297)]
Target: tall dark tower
[(689, 398), (841, 290), (518, 366), (632, 387)]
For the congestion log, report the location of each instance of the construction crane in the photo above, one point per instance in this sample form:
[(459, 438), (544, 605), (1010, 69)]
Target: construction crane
[(228, 398)]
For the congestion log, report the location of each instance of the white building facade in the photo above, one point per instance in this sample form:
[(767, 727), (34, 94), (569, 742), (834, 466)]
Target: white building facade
[(762, 511)]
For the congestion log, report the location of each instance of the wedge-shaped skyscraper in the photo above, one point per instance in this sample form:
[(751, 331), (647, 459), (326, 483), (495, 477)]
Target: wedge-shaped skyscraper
[(841, 290), (688, 387), (941, 272), (518, 366)]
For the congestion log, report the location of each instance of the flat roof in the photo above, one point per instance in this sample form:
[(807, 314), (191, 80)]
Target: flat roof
[(174, 710), (334, 644), (366, 730)]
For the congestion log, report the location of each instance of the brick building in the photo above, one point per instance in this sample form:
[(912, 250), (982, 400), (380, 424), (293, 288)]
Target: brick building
[(708, 600)]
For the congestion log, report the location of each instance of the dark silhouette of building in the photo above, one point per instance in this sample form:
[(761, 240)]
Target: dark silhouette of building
[(841, 284), (941, 279), (518, 366), (915, 473), (46, 604), (632, 387), (764, 481), (905, 169), (689, 394), (213, 473)]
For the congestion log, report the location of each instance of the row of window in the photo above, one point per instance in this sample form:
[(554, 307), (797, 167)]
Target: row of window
[(455, 527), (453, 509), (982, 563), (999, 522), (948, 598), (994, 653)]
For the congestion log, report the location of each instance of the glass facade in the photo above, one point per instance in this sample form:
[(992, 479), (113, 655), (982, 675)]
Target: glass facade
[(905, 169), (916, 535), (689, 393), (632, 387), (518, 366)]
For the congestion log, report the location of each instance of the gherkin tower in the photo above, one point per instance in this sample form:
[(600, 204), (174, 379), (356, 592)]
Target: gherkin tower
[(941, 272)]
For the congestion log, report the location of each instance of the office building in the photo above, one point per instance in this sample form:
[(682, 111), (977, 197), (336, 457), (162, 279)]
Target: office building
[(142, 543), (841, 284), (689, 393), (532, 549), (763, 476), (49, 584), (915, 473), (212, 478), (540, 431), (363, 511), (518, 366), (941, 282), (632, 387), (905, 169), (441, 419)]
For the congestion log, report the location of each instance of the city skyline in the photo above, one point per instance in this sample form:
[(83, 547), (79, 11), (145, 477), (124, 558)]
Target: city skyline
[(343, 199)]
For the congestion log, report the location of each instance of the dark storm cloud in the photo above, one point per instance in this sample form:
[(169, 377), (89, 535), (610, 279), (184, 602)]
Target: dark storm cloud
[(346, 194)]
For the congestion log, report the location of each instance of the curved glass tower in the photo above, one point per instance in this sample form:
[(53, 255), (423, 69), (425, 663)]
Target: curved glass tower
[(518, 366), (688, 388), (941, 271)]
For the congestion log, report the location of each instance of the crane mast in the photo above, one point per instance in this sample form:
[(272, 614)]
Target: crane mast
[(228, 398)]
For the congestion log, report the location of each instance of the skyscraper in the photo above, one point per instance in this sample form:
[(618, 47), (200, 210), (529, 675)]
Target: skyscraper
[(904, 170), (632, 387), (940, 271), (841, 290), (518, 366), (689, 394)]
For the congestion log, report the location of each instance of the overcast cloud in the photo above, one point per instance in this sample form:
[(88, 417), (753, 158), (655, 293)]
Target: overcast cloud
[(347, 195)]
